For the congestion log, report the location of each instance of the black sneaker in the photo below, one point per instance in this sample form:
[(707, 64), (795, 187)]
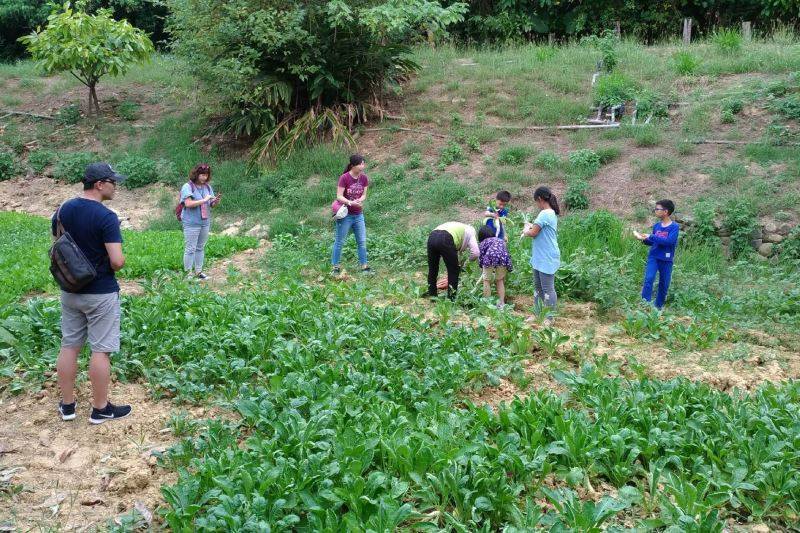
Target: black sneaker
[(67, 410), (366, 270), (335, 271), (202, 277), (110, 412)]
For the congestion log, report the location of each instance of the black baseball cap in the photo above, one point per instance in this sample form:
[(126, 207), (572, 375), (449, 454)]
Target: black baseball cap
[(101, 171)]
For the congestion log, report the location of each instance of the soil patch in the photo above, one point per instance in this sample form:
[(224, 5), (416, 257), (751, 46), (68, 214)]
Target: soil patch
[(42, 196), (74, 475)]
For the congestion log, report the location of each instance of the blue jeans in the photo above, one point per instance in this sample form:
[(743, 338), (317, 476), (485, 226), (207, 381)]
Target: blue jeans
[(664, 270), (343, 227)]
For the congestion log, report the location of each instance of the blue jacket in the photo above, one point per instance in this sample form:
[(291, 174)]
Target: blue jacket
[(662, 241)]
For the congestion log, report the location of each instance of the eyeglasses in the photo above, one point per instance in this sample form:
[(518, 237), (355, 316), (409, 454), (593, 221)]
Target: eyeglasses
[(112, 182), (658, 209)]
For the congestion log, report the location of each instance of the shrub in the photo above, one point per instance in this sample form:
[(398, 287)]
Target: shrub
[(608, 153), (41, 159), (576, 196), (733, 105), (473, 143), (140, 171), (71, 166), (740, 221), (726, 117), (704, 230), (128, 110), (514, 155), (7, 166), (649, 102), (607, 44), (789, 107), (69, 114), (645, 136), (659, 166), (396, 173), (584, 162), (790, 247), (728, 173), (614, 89), (451, 154), (727, 41), (685, 62), (414, 161), (548, 160)]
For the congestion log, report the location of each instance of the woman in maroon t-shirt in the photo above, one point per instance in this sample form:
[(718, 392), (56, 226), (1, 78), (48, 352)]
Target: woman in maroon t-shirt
[(352, 191)]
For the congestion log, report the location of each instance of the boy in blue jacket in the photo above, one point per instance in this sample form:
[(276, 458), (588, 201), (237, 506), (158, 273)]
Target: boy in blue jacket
[(662, 242)]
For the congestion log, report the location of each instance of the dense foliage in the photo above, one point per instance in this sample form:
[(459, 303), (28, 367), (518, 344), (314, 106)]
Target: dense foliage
[(21, 17), (88, 47), (505, 20), (293, 71)]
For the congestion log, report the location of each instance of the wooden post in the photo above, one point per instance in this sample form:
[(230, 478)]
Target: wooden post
[(747, 31), (617, 29), (551, 38), (687, 30)]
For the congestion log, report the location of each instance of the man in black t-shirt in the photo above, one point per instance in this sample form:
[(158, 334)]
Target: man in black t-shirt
[(93, 313)]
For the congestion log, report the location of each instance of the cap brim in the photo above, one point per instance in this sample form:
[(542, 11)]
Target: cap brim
[(118, 177)]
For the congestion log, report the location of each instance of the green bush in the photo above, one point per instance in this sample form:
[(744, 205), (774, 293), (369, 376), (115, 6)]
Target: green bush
[(727, 41), (733, 105), (548, 160), (614, 89), (659, 166), (789, 107), (451, 154), (585, 163), (728, 173), (726, 117), (8, 166), (414, 161), (577, 195), (514, 155), (140, 171), (128, 110), (646, 136), (740, 221), (69, 114), (790, 247), (685, 62), (704, 230), (608, 154), (71, 166), (41, 159)]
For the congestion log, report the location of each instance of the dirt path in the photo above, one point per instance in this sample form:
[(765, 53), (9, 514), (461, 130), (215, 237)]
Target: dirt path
[(41, 196), (74, 475)]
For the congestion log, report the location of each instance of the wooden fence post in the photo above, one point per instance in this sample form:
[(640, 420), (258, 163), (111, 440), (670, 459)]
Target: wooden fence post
[(617, 29), (747, 31), (551, 38), (687, 30)]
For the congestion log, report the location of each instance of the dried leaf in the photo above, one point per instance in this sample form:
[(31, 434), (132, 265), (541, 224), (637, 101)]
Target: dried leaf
[(91, 502), (52, 502), (144, 511), (64, 455)]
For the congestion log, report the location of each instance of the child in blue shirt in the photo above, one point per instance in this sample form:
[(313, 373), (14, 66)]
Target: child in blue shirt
[(662, 242), (496, 215)]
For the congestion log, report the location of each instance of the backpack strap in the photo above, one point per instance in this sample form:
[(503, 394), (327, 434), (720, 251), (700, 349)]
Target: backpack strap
[(59, 226)]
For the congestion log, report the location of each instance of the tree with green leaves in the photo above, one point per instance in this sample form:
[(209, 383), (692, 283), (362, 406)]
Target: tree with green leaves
[(88, 46), (294, 72)]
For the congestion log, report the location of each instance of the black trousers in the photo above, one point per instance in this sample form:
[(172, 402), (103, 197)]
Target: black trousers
[(441, 245)]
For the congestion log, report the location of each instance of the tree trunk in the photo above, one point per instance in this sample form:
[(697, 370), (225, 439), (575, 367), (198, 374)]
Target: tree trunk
[(93, 97)]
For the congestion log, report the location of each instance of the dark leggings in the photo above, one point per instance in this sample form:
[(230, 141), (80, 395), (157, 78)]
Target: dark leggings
[(441, 245)]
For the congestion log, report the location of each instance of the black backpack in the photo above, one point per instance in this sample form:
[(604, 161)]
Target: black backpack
[(68, 264)]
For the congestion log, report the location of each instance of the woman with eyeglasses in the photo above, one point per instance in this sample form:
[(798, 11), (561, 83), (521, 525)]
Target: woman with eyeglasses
[(198, 198)]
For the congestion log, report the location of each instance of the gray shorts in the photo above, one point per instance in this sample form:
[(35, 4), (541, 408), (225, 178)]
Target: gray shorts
[(92, 316)]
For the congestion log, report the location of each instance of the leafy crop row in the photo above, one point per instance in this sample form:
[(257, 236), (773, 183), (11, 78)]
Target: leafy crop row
[(24, 241)]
